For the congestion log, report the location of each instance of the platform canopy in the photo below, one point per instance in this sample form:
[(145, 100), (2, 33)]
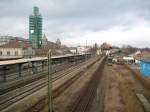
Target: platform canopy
[(25, 60)]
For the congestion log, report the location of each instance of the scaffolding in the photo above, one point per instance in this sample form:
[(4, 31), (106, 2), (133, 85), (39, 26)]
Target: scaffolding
[(35, 29)]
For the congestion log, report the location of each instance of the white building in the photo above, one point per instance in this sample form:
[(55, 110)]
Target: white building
[(15, 50), (80, 50), (83, 49), (73, 50)]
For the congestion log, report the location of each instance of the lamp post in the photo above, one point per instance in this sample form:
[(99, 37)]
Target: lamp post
[(50, 102)]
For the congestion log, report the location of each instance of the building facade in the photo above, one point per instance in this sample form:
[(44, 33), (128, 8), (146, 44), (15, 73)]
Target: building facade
[(83, 50), (35, 29), (15, 50), (105, 49)]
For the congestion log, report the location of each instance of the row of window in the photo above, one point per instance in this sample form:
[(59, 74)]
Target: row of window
[(8, 53)]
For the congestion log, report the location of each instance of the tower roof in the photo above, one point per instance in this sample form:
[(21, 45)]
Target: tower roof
[(36, 10)]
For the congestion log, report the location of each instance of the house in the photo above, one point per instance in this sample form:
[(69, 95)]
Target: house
[(15, 50), (83, 49), (105, 49)]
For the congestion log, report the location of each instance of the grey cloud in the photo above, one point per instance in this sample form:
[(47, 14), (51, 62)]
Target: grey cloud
[(73, 15)]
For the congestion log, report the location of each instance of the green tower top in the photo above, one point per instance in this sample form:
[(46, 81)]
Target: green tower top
[(36, 11)]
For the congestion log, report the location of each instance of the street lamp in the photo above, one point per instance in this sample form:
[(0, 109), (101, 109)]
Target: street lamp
[(50, 102)]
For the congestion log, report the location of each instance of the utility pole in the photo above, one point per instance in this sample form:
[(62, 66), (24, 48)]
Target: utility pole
[(50, 101), (86, 51)]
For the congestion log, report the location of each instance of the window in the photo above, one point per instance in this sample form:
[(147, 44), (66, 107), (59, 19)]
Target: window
[(8, 53), (1, 53), (16, 53)]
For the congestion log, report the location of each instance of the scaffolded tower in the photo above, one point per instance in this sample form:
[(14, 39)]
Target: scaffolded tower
[(35, 29)]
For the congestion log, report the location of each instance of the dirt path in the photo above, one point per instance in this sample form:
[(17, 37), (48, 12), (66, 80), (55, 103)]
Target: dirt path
[(129, 87), (113, 101), (119, 91)]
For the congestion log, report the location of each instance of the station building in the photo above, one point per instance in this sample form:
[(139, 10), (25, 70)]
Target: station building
[(15, 50)]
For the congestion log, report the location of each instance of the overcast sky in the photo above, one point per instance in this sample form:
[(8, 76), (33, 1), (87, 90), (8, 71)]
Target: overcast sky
[(117, 22)]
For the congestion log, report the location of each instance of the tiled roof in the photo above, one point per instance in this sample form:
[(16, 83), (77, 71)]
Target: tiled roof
[(15, 44)]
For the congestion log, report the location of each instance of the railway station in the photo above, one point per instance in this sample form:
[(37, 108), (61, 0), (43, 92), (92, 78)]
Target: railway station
[(41, 84)]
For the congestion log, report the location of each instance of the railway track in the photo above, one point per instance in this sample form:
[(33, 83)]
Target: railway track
[(56, 92), (19, 83), (26, 72), (11, 97), (87, 95)]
